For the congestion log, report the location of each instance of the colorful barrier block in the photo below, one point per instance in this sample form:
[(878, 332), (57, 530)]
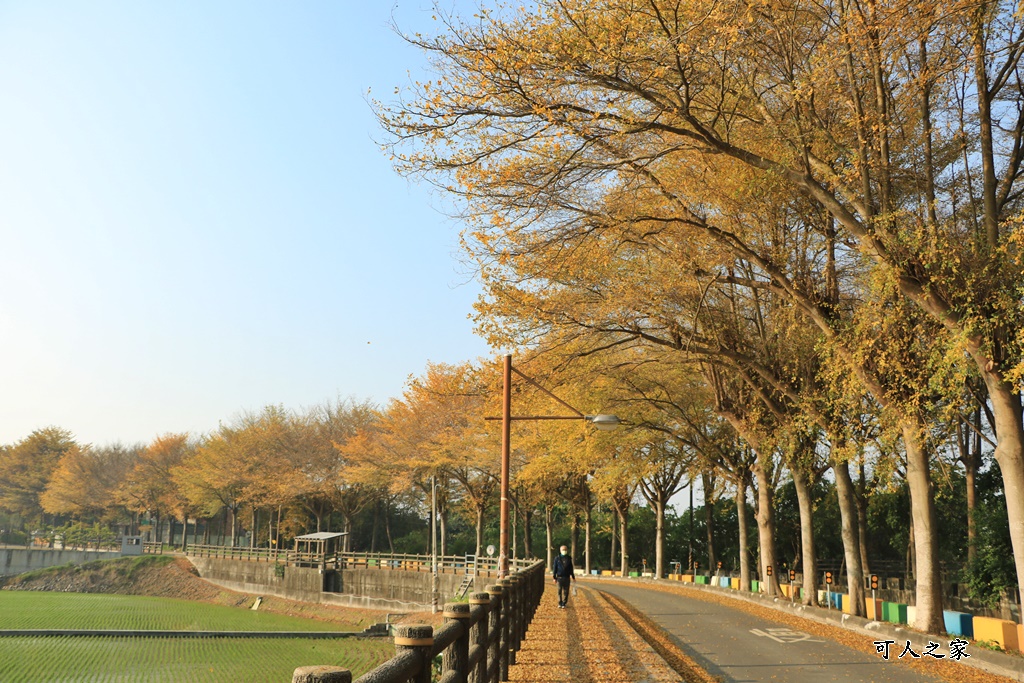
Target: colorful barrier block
[(755, 586), (911, 614), (998, 631), (873, 608), (688, 578), (837, 601), (894, 612), (723, 581), (701, 579), (734, 584), (823, 598), (845, 603), (634, 574), (594, 572)]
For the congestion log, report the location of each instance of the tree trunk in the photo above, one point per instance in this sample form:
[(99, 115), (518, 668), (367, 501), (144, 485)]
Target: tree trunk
[(741, 518), (376, 526), (548, 524), (1009, 454), (850, 532), (184, 532), (659, 537), (574, 539), (615, 541), (709, 519), (766, 527), (586, 540), (443, 527), (252, 529), (860, 499), (387, 527), (809, 565), (624, 537), (480, 509), (527, 535), (926, 546)]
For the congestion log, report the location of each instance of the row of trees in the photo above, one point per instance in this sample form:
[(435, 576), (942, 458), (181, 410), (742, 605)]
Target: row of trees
[(807, 213)]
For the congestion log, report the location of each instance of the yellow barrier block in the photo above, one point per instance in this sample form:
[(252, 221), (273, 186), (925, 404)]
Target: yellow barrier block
[(999, 631), (688, 578), (873, 609), (785, 589), (847, 604), (606, 572), (734, 584), (1020, 637)]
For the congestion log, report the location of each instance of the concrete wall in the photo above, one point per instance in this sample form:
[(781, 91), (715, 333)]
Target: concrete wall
[(369, 588), (298, 583), (19, 560)]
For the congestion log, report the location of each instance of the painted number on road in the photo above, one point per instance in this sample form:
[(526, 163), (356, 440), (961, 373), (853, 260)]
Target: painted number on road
[(784, 635)]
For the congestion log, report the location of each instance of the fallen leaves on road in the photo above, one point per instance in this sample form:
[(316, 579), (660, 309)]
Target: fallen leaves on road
[(589, 642)]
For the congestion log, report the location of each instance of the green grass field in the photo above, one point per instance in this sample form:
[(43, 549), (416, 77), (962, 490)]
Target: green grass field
[(149, 659), (32, 609)]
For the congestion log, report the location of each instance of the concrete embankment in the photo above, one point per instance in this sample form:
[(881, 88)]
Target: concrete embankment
[(15, 561), (371, 588)]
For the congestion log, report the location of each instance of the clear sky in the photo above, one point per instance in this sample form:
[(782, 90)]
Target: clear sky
[(195, 219)]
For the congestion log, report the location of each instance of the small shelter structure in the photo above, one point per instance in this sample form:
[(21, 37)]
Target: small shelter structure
[(312, 550)]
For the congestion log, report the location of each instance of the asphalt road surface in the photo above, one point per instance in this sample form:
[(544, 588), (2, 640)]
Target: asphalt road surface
[(740, 647)]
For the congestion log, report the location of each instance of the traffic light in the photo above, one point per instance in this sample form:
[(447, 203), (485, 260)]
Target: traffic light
[(792, 575), (769, 570), (874, 581), (828, 578), (719, 564)]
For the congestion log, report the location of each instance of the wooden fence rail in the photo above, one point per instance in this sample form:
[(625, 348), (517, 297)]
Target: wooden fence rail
[(477, 643)]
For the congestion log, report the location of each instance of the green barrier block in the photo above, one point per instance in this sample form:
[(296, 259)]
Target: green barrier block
[(755, 586), (700, 579), (894, 612), (634, 574)]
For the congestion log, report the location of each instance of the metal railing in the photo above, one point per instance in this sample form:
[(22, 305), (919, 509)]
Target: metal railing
[(478, 641), (450, 564)]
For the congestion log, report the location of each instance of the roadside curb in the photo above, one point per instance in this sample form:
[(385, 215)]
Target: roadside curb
[(988, 661)]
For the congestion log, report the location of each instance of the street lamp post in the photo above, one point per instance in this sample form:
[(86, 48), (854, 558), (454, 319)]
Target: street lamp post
[(602, 422)]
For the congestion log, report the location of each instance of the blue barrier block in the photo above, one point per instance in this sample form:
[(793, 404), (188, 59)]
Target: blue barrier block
[(723, 581), (958, 623)]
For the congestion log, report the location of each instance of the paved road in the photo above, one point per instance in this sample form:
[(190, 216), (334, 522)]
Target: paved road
[(743, 648)]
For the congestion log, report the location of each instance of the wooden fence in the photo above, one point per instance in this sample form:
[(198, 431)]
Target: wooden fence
[(477, 643)]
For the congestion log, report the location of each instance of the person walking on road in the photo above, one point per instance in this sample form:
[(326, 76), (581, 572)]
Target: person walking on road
[(564, 574)]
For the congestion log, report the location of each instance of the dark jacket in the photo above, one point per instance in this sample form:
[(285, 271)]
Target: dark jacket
[(562, 568)]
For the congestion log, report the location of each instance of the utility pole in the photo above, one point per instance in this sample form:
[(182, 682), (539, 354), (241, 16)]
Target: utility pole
[(433, 545)]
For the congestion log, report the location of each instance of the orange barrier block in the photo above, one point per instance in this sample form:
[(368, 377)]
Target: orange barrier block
[(873, 608), (999, 631)]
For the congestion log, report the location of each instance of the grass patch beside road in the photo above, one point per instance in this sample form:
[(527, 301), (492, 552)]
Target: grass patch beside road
[(37, 610), (197, 660)]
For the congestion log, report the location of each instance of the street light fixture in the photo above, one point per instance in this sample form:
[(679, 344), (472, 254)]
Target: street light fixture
[(605, 423)]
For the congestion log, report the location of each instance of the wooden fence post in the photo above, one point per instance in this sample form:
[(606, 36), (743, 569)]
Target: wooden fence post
[(506, 618), (497, 607), (456, 655), (479, 603), (515, 617), (419, 637), (321, 674)]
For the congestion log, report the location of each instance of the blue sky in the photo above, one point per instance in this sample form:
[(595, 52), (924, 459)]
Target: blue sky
[(195, 219)]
